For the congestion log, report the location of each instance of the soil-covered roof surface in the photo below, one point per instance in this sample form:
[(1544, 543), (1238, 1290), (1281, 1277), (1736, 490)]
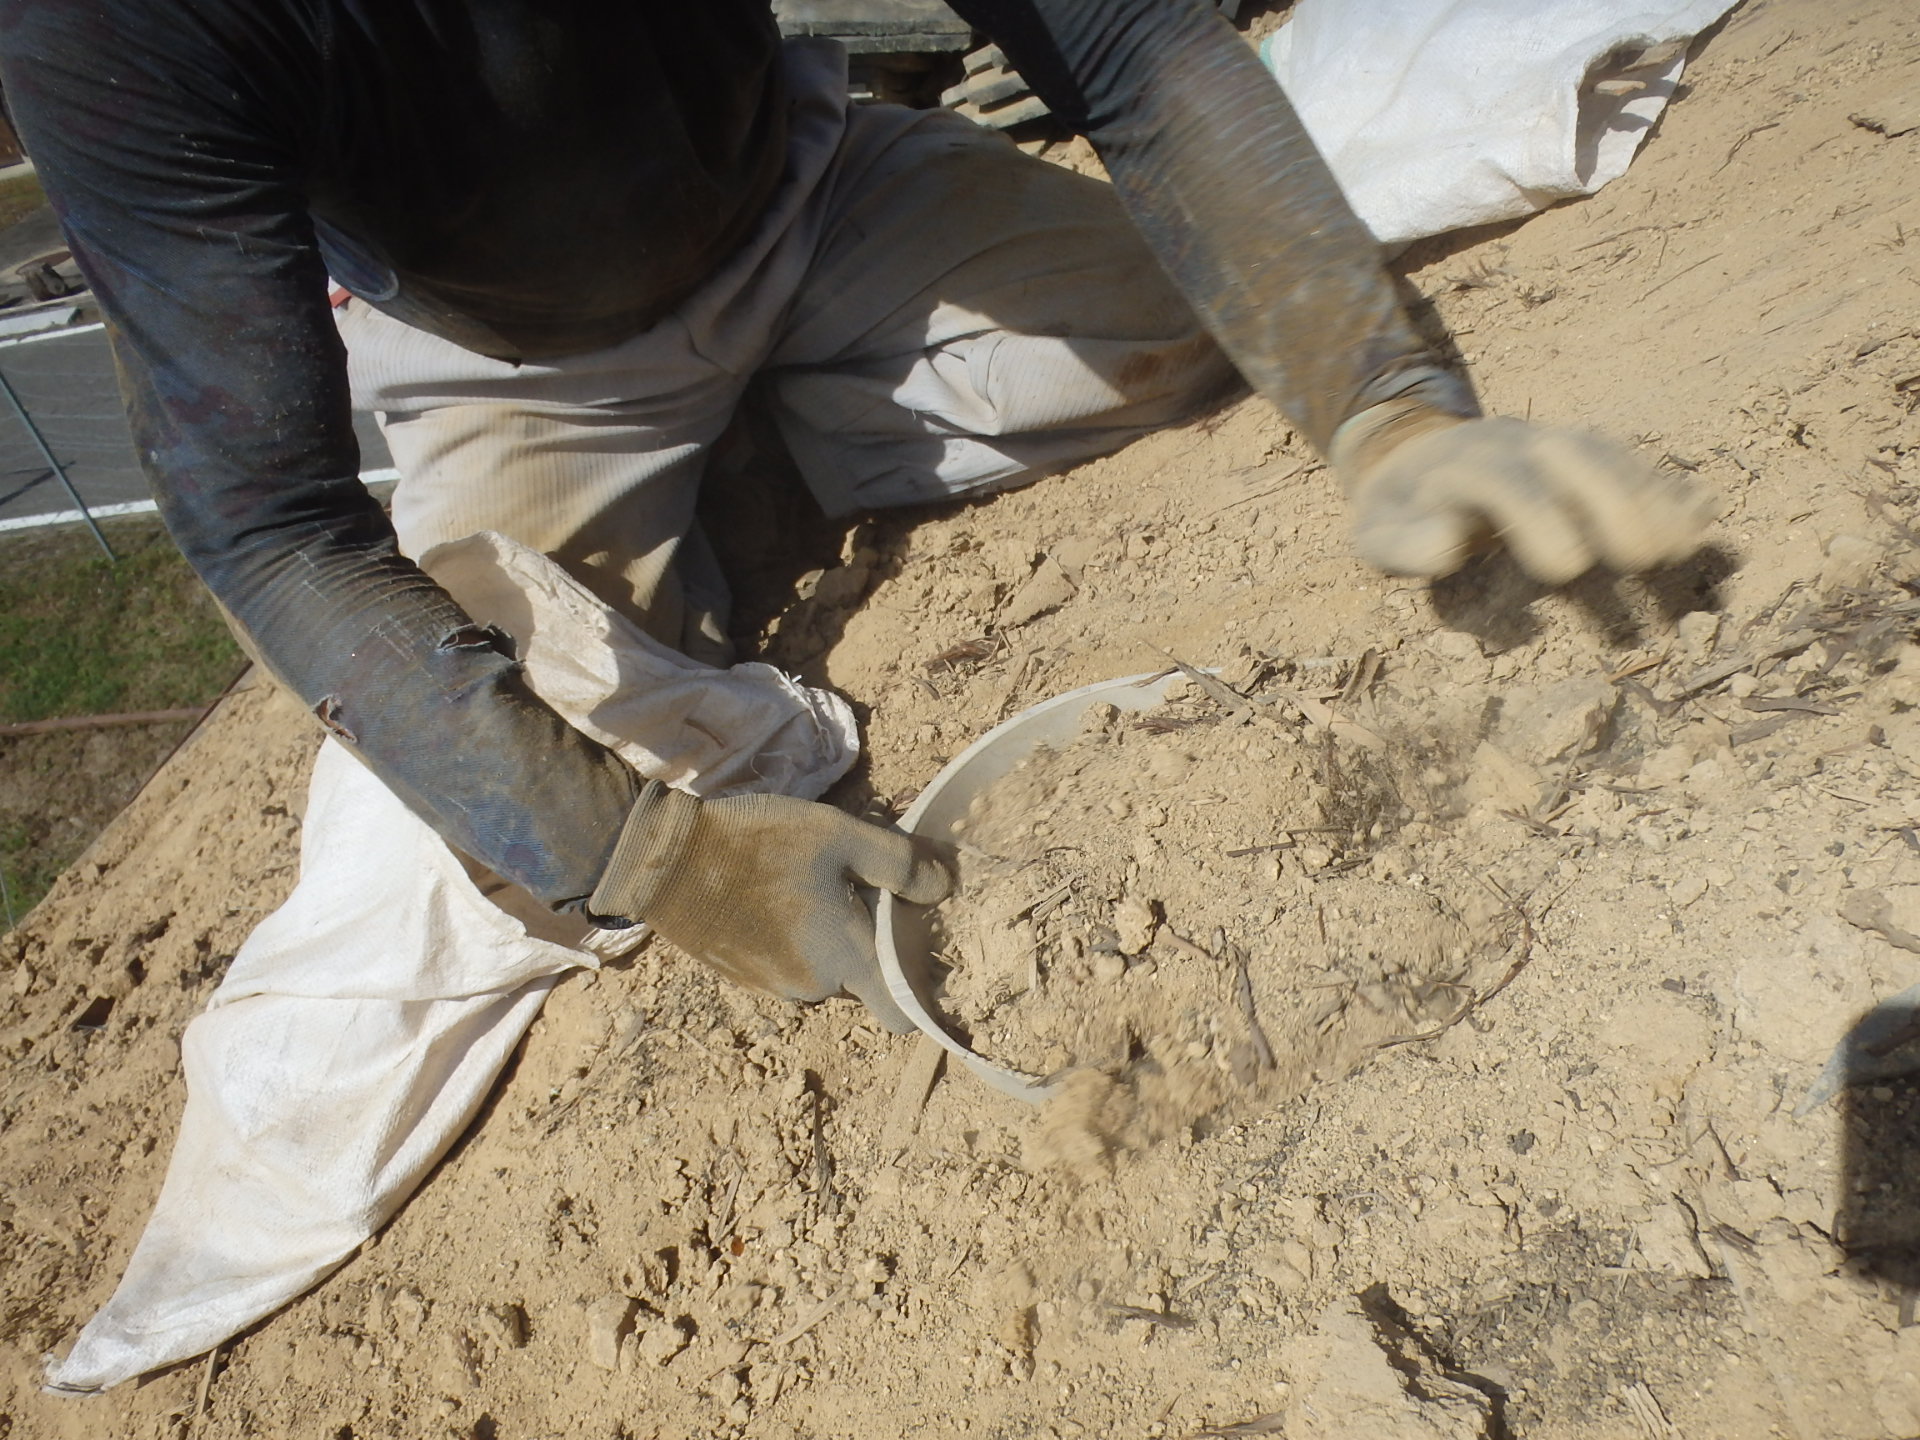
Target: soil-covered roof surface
[(1670, 825)]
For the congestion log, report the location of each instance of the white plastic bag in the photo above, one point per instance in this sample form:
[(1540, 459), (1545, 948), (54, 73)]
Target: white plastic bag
[(1439, 114), (362, 1024)]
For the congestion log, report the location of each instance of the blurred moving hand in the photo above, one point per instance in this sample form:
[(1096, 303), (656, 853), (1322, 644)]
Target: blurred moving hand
[(1428, 488)]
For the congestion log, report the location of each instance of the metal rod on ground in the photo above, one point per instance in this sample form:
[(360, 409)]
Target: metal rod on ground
[(6, 897), (59, 470), (101, 722)]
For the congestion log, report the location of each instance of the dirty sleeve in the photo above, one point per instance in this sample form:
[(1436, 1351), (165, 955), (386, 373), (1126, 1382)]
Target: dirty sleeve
[(1217, 171), (184, 211)]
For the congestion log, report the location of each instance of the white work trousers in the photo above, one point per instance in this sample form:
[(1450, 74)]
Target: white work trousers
[(933, 314)]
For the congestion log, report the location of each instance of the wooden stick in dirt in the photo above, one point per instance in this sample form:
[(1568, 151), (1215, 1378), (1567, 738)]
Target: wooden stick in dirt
[(1727, 669), (1243, 992)]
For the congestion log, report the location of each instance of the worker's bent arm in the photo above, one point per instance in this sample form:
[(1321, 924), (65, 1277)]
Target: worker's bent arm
[(181, 210), (1218, 173)]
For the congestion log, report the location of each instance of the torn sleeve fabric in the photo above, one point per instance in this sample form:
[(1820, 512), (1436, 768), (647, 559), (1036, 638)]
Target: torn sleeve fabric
[(1217, 171)]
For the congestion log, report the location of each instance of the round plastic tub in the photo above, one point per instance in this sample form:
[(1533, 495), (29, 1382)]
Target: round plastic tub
[(908, 934)]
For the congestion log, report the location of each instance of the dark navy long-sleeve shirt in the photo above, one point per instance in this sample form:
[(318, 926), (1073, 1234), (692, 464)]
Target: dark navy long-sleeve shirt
[(531, 178)]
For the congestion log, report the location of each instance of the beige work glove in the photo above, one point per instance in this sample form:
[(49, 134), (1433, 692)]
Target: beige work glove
[(1428, 487), (761, 887)]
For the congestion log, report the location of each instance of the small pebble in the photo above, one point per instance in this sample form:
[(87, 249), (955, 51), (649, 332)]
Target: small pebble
[(1135, 920), (608, 1321), (664, 1341), (505, 1325)]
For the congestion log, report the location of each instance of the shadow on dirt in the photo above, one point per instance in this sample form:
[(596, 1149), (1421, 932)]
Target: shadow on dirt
[(1877, 1222), (1492, 599)]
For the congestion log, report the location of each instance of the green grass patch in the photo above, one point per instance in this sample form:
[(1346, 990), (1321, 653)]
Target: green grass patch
[(82, 636), (19, 198), (28, 868)]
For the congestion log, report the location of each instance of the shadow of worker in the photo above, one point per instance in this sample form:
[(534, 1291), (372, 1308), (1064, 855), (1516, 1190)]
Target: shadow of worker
[(1875, 1076)]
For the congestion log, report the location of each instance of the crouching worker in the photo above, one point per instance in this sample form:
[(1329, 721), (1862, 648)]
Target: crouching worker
[(570, 233)]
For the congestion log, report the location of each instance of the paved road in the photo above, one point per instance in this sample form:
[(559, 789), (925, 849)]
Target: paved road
[(67, 385)]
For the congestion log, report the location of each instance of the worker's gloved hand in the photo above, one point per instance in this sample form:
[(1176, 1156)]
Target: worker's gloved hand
[(1427, 487), (761, 888)]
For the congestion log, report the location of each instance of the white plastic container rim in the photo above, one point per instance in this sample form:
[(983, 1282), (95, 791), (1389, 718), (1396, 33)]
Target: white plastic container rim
[(906, 939)]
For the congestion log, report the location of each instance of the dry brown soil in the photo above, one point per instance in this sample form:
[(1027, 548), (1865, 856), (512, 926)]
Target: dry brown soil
[(1596, 1202)]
